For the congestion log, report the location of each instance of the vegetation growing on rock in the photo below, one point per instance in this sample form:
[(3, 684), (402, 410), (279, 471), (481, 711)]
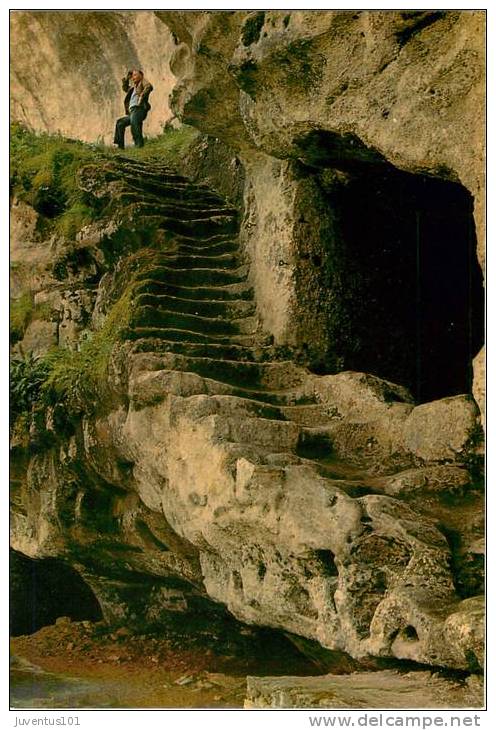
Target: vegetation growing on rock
[(45, 172), (27, 377), (51, 174), (77, 378), (181, 461)]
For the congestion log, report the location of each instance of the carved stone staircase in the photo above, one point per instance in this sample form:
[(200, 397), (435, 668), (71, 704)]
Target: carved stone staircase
[(248, 458)]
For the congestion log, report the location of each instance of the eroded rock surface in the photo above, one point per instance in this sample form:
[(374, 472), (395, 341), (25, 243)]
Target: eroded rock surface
[(323, 103), (374, 689), (233, 446), (195, 473)]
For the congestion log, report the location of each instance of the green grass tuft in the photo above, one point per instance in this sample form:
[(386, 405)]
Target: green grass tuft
[(21, 310), (169, 147), (44, 173), (78, 378)]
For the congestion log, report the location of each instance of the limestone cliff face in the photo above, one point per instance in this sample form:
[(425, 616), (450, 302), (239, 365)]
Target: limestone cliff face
[(335, 116), (66, 69), (235, 448), (197, 462), (305, 92), (406, 85)]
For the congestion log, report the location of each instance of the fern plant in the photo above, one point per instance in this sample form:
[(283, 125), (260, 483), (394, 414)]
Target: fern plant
[(27, 375)]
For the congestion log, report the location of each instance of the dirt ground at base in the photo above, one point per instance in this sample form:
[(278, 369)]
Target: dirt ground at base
[(191, 670)]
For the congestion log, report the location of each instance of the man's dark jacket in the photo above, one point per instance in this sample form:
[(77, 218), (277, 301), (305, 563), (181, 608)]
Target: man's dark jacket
[(143, 88)]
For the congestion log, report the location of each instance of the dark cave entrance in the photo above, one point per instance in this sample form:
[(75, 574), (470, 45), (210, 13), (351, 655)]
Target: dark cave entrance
[(43, 590), (401, 260)]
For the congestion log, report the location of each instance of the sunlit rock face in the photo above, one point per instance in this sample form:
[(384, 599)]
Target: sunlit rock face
[(66, 69), (255, 443), (375, 689), (206, 465), (306, 93), (408, 86)]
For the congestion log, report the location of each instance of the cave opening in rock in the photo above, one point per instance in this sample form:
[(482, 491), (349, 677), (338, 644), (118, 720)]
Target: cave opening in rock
[(406, 292), (43, 590)]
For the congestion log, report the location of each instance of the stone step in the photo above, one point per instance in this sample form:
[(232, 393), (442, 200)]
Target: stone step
[(148, 285), (196, 227), (183, 193), (346, 476), (163, 191), (133, 168), (198, 349), (164, 188), (267, 376), (212, 249), (134, 162), (190, 276), (205, 242), (186, 210), (182, 260), (197, 231), (229, 406), (128, 169), (271, 434), (180, 196), (126, 165), (197, 210), (151, 316), (312, 415), (202, 307), (259, 395), (187, 384), (181, 335), (279, 398)]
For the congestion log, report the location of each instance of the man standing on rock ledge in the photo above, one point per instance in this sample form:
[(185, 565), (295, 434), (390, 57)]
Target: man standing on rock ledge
[(136, 105)]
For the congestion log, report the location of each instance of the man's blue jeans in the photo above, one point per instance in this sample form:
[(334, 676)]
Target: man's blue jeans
[(135, 120)]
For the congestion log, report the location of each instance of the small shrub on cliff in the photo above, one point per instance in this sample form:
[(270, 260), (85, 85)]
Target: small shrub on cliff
[(44, 172), (27, 377), (77, 378)]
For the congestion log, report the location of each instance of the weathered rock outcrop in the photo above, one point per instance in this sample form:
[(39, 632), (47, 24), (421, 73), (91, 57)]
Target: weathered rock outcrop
[(210, 465), (323, 109), (309, 92), (365, 690), (380, 83), (232, 446)]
